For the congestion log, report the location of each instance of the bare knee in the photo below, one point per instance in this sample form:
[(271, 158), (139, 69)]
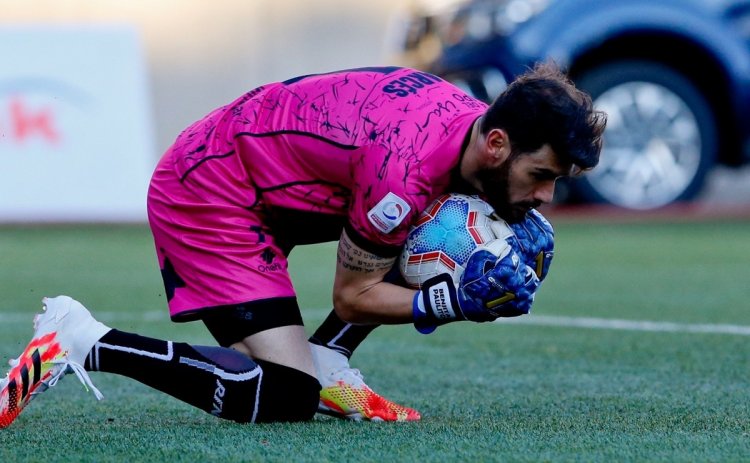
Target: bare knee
[(285, 345)]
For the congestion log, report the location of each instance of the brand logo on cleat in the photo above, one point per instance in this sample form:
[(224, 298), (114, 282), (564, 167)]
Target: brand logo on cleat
[(36, 362), (24, 381)]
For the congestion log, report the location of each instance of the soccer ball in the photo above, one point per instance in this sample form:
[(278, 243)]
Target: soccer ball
[(444, 236)]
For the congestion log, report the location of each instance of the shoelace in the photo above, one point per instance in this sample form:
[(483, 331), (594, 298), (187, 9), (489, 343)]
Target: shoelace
[(80, 373), (354, 373), (76, 368)]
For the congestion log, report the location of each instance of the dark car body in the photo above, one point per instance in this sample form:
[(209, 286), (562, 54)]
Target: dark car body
[(673, 75)]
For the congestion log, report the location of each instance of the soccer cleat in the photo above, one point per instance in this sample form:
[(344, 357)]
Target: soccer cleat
[(344, 393), (63, 336)]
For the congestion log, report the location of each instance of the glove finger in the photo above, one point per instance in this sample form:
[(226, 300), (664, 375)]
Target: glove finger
[(500, 229), (540, 222), (499, 248), (480, 262)]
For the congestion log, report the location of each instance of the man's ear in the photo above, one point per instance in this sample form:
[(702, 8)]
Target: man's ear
[(496, 147)]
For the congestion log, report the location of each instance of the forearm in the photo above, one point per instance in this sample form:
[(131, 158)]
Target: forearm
[(359, 293), (380, 303)]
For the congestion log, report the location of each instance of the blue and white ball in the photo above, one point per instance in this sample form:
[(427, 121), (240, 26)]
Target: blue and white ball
[(444, 236)]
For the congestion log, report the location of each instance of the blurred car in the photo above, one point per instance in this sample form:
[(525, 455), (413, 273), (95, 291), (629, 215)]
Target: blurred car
[(673, 76)]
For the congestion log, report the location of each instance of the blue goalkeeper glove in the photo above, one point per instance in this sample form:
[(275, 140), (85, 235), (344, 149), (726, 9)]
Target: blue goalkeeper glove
[(496, 283), (536, 240)]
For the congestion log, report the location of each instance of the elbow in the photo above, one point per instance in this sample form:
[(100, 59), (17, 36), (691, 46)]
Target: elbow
[(347, 310)]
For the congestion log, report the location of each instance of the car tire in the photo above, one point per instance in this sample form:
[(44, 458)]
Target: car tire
[(661, 137)]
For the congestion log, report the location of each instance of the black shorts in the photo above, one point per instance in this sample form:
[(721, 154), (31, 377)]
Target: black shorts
[(233, 323)]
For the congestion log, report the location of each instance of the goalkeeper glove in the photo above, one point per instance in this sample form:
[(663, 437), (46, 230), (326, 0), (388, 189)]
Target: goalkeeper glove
[(536, 240), (496, 283)]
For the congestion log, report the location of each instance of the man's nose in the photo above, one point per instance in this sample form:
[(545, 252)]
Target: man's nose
[(545, 192)]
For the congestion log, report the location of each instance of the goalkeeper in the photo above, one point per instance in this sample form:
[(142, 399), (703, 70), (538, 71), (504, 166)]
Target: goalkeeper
[(352, 156)]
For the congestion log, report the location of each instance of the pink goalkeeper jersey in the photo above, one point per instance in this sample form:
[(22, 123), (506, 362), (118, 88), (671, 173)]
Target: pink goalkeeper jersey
[(365, 148)]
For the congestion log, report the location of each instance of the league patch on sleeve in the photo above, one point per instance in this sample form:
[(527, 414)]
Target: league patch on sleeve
[(388, 213)]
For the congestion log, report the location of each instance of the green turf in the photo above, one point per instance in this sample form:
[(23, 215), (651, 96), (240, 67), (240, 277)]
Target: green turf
[(490, 392)]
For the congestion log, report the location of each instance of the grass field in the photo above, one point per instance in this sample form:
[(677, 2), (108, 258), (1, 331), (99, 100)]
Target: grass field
[(505, 391)]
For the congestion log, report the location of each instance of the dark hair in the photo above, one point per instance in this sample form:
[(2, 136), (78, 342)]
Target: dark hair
[(542, 106)]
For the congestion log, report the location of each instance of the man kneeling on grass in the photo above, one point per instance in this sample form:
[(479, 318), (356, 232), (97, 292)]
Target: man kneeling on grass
[(352, 156)]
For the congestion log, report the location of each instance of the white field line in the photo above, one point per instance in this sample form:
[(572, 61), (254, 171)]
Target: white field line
[(114, 317), (104, 316), (628, 325)]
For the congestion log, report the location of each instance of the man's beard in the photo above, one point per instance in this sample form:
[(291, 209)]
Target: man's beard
[(496, 189)]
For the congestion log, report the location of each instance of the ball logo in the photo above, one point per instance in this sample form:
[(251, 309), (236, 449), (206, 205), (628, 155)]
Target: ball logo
[(388, 213)]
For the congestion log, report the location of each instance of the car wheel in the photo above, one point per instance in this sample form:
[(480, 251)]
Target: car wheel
[(661, 136)]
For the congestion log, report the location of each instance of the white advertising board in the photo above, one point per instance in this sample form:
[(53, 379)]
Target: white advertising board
[(76, 139)]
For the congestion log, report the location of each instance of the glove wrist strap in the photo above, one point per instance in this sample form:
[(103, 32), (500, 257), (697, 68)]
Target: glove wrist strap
[(436, 304)]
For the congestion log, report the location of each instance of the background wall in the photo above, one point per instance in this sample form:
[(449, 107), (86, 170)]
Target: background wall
[(201, 54)]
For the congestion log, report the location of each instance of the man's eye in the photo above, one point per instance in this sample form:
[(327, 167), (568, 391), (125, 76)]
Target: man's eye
[(545, 176)]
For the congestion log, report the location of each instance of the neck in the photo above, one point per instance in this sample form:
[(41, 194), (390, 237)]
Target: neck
[(470, 157)]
